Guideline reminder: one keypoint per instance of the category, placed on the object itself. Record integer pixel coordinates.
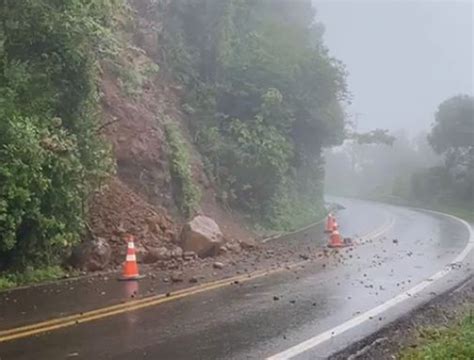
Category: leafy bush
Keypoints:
(51, 155)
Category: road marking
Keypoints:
(74, 319)
(45, 326)
(380, 231)
(327, 335)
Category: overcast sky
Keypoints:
(404, 57)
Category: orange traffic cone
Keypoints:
(130, 267)
(335, 240)
(329, 223)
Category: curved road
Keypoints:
(305, 312)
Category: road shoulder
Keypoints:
(406, 332)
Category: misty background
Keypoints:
(410, 71)
(403, 57)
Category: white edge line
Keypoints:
(318, 339)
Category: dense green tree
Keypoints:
(453, 128)
(50, 154)
(264, 98)
(453, 136)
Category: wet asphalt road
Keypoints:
(259, 318)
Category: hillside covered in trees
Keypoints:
(136, 115)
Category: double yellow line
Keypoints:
(378, 231)
(71, 320)
(58, 323)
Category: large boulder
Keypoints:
(202, 235)
(93, 255)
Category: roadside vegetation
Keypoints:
(187, 194)
(30, 275)
(454, 342)
(51, 155)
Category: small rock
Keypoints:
(395, 241)
(176, 253)
(189, 255)
(177, 277)
(193, 279)
(233, 246)
(223, 250)
(276, 298)
(304, 256)
(218, 265)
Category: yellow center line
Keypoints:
(379, 231)
(66, 321)
(54, 324)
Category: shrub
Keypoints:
(187, 194)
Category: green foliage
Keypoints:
(132, 75)
(187, 194)
(30, 275)
(263, 97)
(377, 136)
(41, 188)
(456, 342)
(50, 154)
(452, 136)
(454, 124)
(290, 210)
(6, 283)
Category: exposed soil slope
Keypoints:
(134, 126)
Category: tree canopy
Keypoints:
(453, 127)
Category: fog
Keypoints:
(404, 57)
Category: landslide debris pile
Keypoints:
(116, 209)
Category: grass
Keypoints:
(187, 194)
(30, 276)
(454, 342)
